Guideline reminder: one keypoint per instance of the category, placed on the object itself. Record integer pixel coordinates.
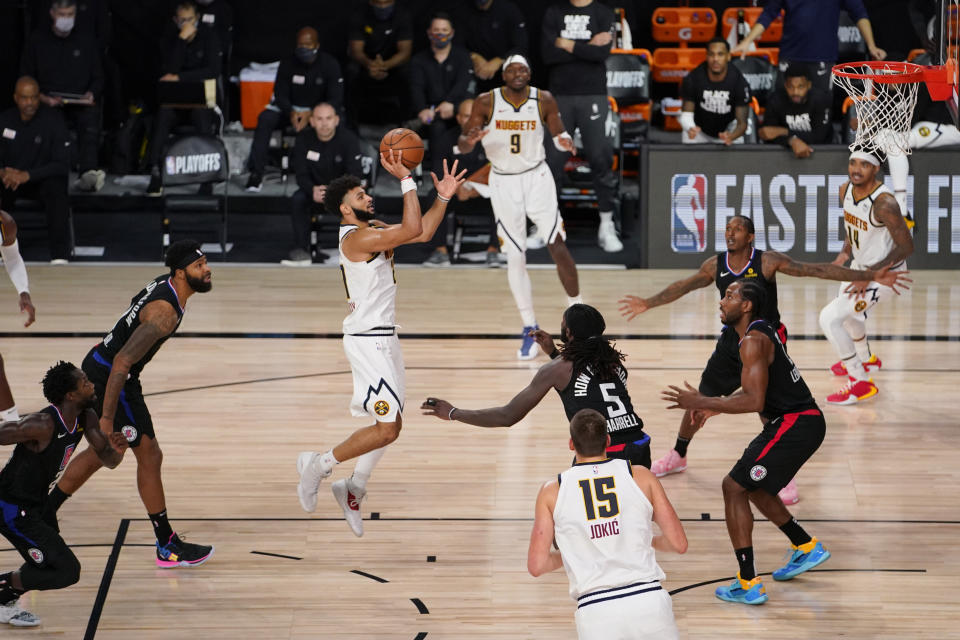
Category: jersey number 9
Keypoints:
(599, 497)
(515, 143)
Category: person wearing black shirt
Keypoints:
(380, 41)
(716, 99)
(469, 200)
(305, 79)
(575, 42)
(439, 80)
(219, 15)
(66, 63)
(323, 151)
(34, 162)
(792, 432)
(190, 52)
(492, 30)
(798, 115)
(45, 442)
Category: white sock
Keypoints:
(855, 368)
(9, 415)
(574, 300)
(863, 349)
(327, 461)
(365, 465)
(520, 286)
(606, 217)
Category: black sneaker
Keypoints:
(254, 182)
(155, 188)
(177, 553)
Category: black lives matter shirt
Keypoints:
(715, 102)
(583, 72)
(809, 120)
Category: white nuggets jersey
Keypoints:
(602, 524)
(514, 143)
(870, 240)
(371, 287)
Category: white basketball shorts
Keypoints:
(379, 381)
(516, 197)
(644, 616)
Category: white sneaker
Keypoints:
(349, 499)
(607, 238)
(311, 475)
(534, 241)
(13, 615)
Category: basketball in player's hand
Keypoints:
(406, 141)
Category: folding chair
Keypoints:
(196, 160)
(628, 84)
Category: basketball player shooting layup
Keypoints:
(509, 122)
(600, 513)
(741, 261)
(370, 330)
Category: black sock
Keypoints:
(56, 498)
(795, 532)
(681, 446)
(7, 591)
(745, 558)
(161, 527)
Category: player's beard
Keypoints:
(198, 285)
(362, 214)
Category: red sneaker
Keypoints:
(839, 369)
(854, 391)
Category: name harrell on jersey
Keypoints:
(514, 143)
(618, 416)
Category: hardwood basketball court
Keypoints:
(258, 374)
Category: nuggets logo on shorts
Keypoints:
(36, 555)
(860, 306)
(129, 432)
(924, 131)
(758, 472)
(381, 407)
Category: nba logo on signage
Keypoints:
(688, 212)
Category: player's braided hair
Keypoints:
(750, 290)
(587, 347)
(337, 190)
(59, 380)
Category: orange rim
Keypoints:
(881, 72)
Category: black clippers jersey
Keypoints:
(29, 476)
(610, 398)
(786, 390)
(159, 289)
(753, 271)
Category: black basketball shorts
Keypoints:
(773, 458)
(721, 376)
(132, 417)
(38, 542)
(635, 452)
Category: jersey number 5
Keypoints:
(599, 497)
(515, 143)
(615, 406)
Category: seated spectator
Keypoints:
(797, 115)
(306, 78)
(380, 41)
(323, 151)
(66, 63)
(34, 162)
(439, 80)
(492, 30)
(469, 199)
(190, 52)
(716, 99)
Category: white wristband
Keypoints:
(686, 121)
(561, 136)
(407, 184)
(450, 413)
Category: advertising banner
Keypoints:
(688, 193)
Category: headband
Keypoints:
(188, 259)
(515, 58)
(866, 157)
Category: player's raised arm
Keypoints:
(632, 306)
(446, 188)
(541, 558)
(782, 263)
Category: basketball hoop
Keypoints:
(884, 95)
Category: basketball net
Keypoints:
(884, 96)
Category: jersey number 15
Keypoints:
(599, 497)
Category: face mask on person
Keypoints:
(64, 24)
(305, 55)
(383, 13)
(182, 23)
(440, 42)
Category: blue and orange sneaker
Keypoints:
(528, 348)
(802, 558)
(177, 553)
(745, 591)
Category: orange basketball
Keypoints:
(404, 140)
